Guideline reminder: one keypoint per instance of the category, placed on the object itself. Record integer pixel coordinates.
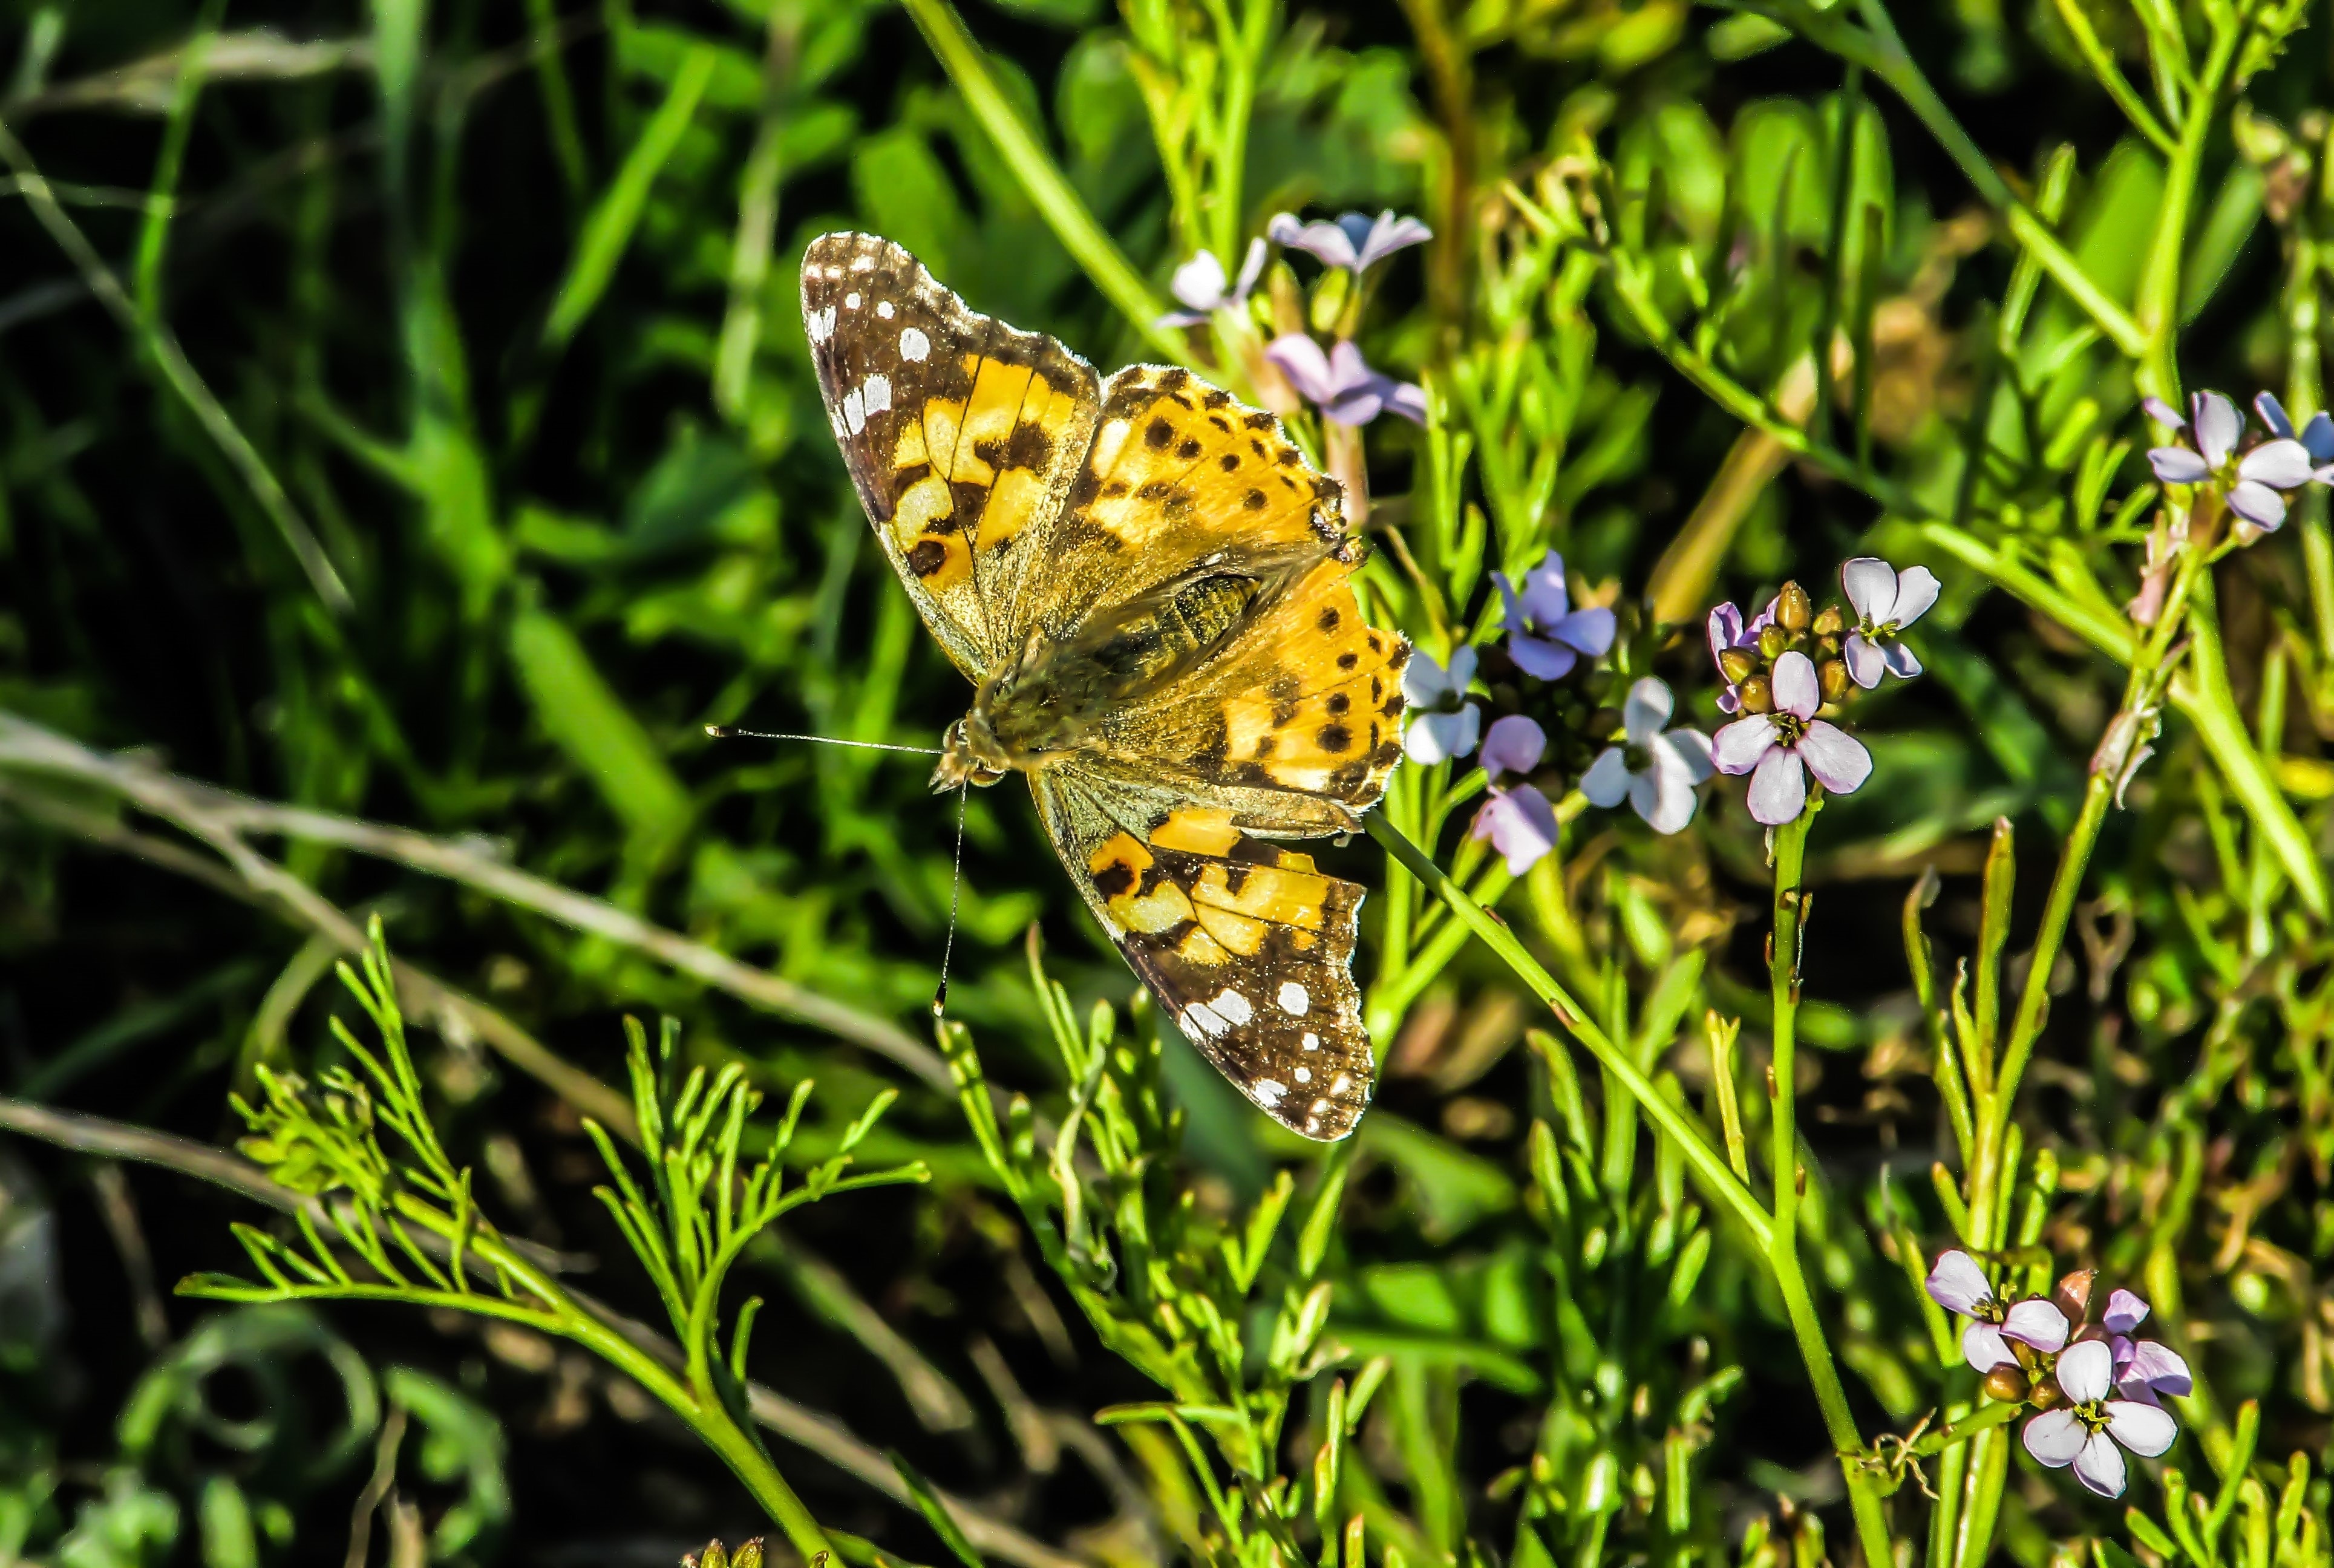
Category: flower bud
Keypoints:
(1756, 696)
(2006, 1383)
(1736, 664)
(1793, 609)
(2072, 1295)
(2042, 1392)
(1831, 623)
(1772, 643)
(1832, 675)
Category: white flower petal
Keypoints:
(1870, 584)
(2164, 413)
(2056, 1436)
(1463, 668)
(1794, 684)
(2159, 1369)
(2177, 465)
(2042, 1325)
(1251, 267)
(1198, 283)
(1867, 663)
(1984, 1348)
(1957, 1284)
(2272, 413)
(1607, 782)
(2257, 503)
(2086, 1371)
(1663, 794)
(2127, 1309)
(1778, 788)
(2218, 425)
(1835, 757)
(1916, 590)
(1646, 710)
(1901, 660)
(1738, 748)
(2280, 465)
(1424, 681)
(1434, 738)
(1692, 749)
(2146, 1429)
(2100, 1466)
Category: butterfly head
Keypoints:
(968, 754)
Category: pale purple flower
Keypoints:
(1957, 1284)
(2144, 1369)
(1355, 242)
(2249, 481)
(2317, 438)
(1654, 771)
(1885, 600)
(1200, 286)
(1444, 723)
(1546, 636)
(1520, 822)
(2085, 1431)
(1728, 631)
(1785, 745)
(1341, 383)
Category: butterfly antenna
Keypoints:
(955, 891)
(724, 732)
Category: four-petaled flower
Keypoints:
(1444, 723)
(1957, 1284)
(2144, 1371)
(2317, 438)
(1546, 636)
(2084, 1432)
(1885, 600)
(1777, 743)
(1730, 633)
(1199, 286)
(1654, 771)
(2250, 481)
(1341, 383)
(1519, 821)
(1355, 242)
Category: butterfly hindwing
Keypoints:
(963, 435)
(1246, 944)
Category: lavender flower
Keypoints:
(1546, 636)
(1654, 771)
(2144, 1371)
(1444, 723)
(1957, 1284)
(1886, 601)
(2250, 481)
(1355, 242)
(1519, 821)
(1730, 633)
(1199, 286)
(2084, 1432)
(2317, 438)
(1785, 745)
(1341, 383)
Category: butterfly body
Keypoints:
(1150, 590)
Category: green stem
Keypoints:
(1064, 212)
(1666, 1116)
(1783, 1242)
(2158, 303)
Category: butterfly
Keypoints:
(1150, 589)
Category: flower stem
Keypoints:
(1783, 1242)
(1666, 1115)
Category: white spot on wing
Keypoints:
(914, 345)
(883, 309)
(1311, 1042)
(821, 324)
(1269, 1092)
(1294, 1000)
(863, 263)
(879, 393)
(1232, 1005)
(1305, 1075)
(1344, 1082)
(851, 301)
(1199, 1018)
(855, 410)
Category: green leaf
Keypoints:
(935, 1512)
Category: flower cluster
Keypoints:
(2098, 1389)
(1783, 666)
(1336, 380)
